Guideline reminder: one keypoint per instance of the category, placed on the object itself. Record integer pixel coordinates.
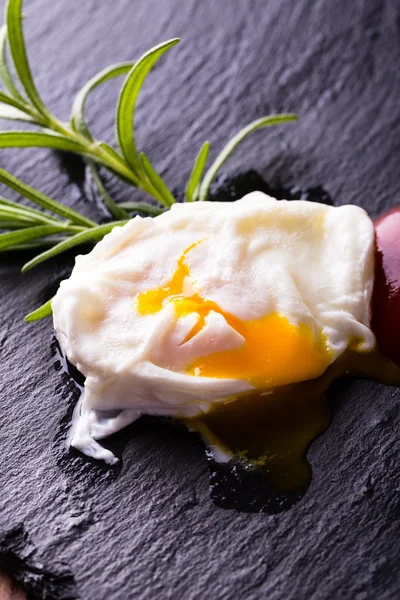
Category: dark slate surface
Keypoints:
(149, 529)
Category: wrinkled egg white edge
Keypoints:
(89, 425)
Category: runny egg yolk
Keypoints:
(274, 353)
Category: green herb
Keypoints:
(58, 228)
(192, 188)
(44, 311)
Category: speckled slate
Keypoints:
(70, 529)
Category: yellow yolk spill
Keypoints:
(275, 352)
(273, 425)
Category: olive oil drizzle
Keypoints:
(272, 430)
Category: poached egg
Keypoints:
(185, 312)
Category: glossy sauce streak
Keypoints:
(386, 296)
(274, 432)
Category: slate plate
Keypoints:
(149, 530)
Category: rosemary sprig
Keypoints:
(129, 163)
(27, 225)
(44, 201)
(57, 227)
(76, 137)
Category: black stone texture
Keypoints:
(148, 529)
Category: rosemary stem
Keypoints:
(75, 228)
(39, 118)
(102, 156)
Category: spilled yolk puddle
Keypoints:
(290, 369)
(275, 352)
(271, 429)
(272, 426)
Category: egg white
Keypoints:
(308, 262)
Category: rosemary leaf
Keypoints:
(33, 213)
(11, 101)
(115, 210)
(197, 173)
(35, 244)
(40, 313)
(234, 142)
(125, 117)
(110, 150)
(113, 161)
(164, 195)
(38, 139)
(12, 238)
(9, 112)
(5, 73)
(20, 216)
(18, 53)
(91, 235)
(44, 201)
(78, 121)
(12, 224)
(143, 207)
